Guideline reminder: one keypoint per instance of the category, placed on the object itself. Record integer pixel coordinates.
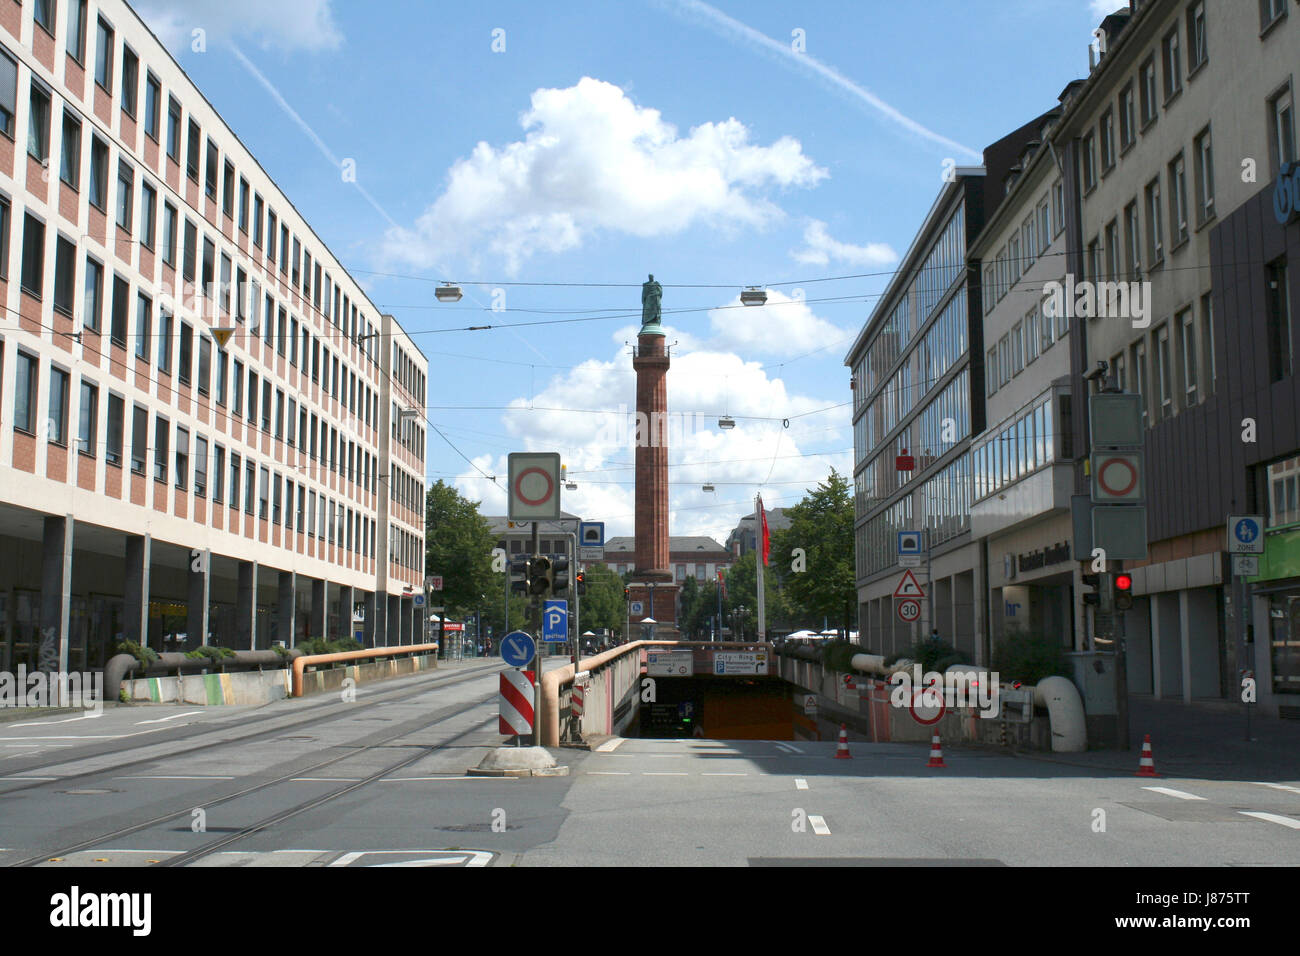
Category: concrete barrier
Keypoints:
(247, 687)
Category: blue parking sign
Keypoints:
(555, 621)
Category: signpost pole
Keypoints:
(537, 659)
(929, 579)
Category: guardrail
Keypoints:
(301, 664)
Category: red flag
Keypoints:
(767, 538)
(722, 582)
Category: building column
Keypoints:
(1185, 641)
(319, 618)
(374, 619)
(200, 584)
(404, 614)
(246, 607)
(346, 598)
(56, 594)
(135, 593)
(392, 626)
(287, 605)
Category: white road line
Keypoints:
(3, 779)
(160, 720)
(1291, 822)
(325, 780)
(1279, 786)
(146, 776)
(665, 773)
(784, 748)
(793, 748)
(819, 825)
(722, 773)
(1170, 792)
(65, 720)
(22, 745)
(800, 783)
(610, 745)
(421, 779)
(610, 773)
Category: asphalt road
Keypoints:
(381, 781)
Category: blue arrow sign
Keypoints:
(555, 621)
(518, 648)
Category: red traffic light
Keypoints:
(1123, 582)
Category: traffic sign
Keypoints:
(1245, 565)
(927, 705)
(577, 699)
(591, 534)
(555, 621)
(433, 582)
(909, 561)
(909, 611)
(418, 599)
(1115, 419)
(909, 543)
(1246, 534)
(1121, 531)
(636, 607)
(515, 703)
(810, 705)
(518, 648)
(909, 587)
(534, 486)
(1117, 476)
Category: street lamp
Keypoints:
(754, 295)
(448, 292)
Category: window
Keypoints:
(1058, 207)
(1178, 200)
(234, 480)
(297, 256)
(173, 130)
(169, 234)
(1107, 134)
(1112, 251)
(148, 206)
(1140, 376)
(192, 151)
(270, 234)
(185, 356)
(1147, 79)
(210, 174)
(38, 124)
(189, 262)
(152, 105)
(93, 305)
(221, 377)
(182, 458)
(104, 55)
(1164, 382)
(257, 221)
(1004, 360)
(121, 309)
(1197, 51)
(77, 30)
(1155, 233)
(1204, 178)
(139, 438)
(161, 436)
(218, 473)
(65, 275)
(1133, 241)
(164, 341)
(250, 483)
(1127, 126)
(243, 204)
(98, 173)
(57, 416)
(1282, 130)
(278, 501)
(1173, 64)
(228, 190)
(1118, 372)
(1270, 11)
(284, 250)
(1278, 305)
(200, 466)
(33, 273)
(25, 393)
(130, 80)
(1207, 332)
(1186, 325)
(8, 93)
(143, 321)
(1031, 336)
(1093, 263)
(1044, 226)
(252, 396)
(266, 406)
(125, 184)
(237, 406)
(208, 275)
(116, 416)
(262, 492)
(1017, 349)
(70, 151)
(204, 360)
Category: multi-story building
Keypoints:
(744, 535)
(689, 556)
(918, 380)
(1212, 351)
(208, 433)
(515, 537)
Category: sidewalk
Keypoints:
(1205, 741)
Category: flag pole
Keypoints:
(758, 564)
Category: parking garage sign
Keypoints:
(739, 662)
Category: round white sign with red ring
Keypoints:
(1117, 476)
(927, 705)
(909, 611)
(530, 499)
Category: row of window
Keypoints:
(1020, 347)
(1176, 346)
(406, 549)
(942, 267)
(1024, 247)
(406, 490)
(406, 372)
(1018, 448)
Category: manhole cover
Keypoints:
(477, 828)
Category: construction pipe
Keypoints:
(1064, 713)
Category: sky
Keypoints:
(548, 157)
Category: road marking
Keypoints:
(2, 779)
(1170, 792)
(420, 779)
(1279, 786)
(475, 857)
(800, 783)
(325, 780)
(723, 773)
(792, 748)
(22, 745)
(665, 773)
(160, 720)
(819, 825)
(175, 777)
(610, 745)
(784, 748)
(610, 773)
(66, 720)
(1291, 822)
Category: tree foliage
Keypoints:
(603, 605)
(458, 546)
(819, 577)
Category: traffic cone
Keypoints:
(1146, 766)
(936, 753)
(842, 750)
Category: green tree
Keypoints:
(821, 583)
(742, 591)
(458, 545)
(602, 605)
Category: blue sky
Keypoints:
(606, 141)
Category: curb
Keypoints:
(545, 772)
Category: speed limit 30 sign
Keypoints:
(908, 611)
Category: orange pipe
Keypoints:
(300, 664)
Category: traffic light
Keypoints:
(1092, 598)
(627, 594)
(560, 574)
(1123, 592)
(519, 574)
(539, 575)
(581, 578)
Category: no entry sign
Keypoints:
(534, 486)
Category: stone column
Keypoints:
(374, 619)
(135, 594)
(200, 585)
(56, 593)
(288, 607)
(346, 599)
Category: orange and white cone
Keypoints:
(1147, 766)
(936, 753)
(842, 749)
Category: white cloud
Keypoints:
(820, 248)
(781, 327)
(282, 24)
(593, 160)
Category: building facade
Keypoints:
(208, 433)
